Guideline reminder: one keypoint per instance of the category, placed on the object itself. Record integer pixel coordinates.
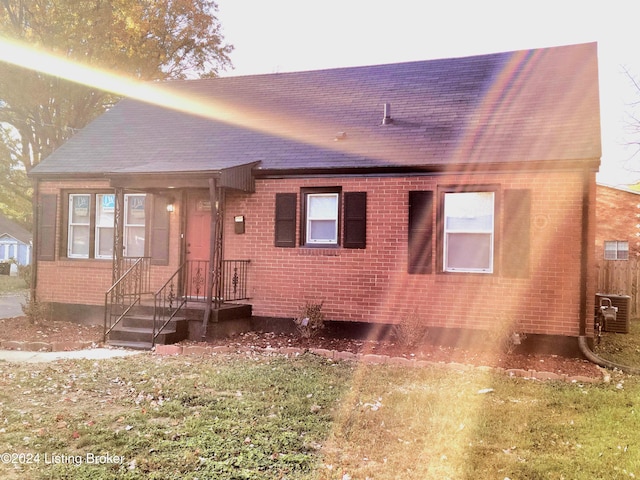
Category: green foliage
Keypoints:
(310, 320)
(263, 417)
(11, 284)
(24, 273)
(148, 41)
(621, 348)
(216, 417)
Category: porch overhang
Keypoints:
(239, 177)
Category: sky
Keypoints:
(272, 36)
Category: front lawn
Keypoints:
(270, 417)
(12, 284)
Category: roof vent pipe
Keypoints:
(386, 120)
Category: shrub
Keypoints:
(35, 310)
(506, 334)
(411, 330)
(24, 272)
(310, 320)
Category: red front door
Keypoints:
(198, 236)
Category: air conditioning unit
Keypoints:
(623, 303)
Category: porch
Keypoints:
(137, 316)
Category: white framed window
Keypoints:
(79, 232)
(616, 250)
(134, 225)
(91, 223)
(322, 218)
(105, 208)
(469, 220)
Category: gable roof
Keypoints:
(524, 106)
(12, 229)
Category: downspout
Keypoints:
(584, 273)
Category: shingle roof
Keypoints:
(8, 227)
(531, 105)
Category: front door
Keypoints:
(198, 236)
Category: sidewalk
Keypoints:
(18, 356)
(11, 304)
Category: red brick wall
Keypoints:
(81, 281)
(373, 285)
(617, 219)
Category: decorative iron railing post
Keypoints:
(166, 303)
(126, 291)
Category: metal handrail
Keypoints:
(137, 278)
(163, 302)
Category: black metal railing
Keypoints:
(168, 302)
(233, 280)
(126, 291)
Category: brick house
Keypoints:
(15, 242)
(462, 189)
(617, 232)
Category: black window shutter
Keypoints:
(420, 231)
(47, 210)
(285, 227)
(516, 244)
(159, 240)
(355, 220)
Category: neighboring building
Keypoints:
(617, 220)
(462, 189)
(15, 242)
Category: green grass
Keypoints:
(11, 285)
(261, 417)
(622, 348)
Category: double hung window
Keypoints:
(322, 219)
(329, 218)
(91, 220)
(79, 226)
(469, 232)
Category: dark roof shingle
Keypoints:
(532, 105)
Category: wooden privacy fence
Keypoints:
(620, 277)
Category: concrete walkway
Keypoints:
(11, 305)
(18, 356)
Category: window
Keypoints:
(464, 234)
(105, 207)
(79, 226)
(616, 250)
(322, 219)
(90, 225)
(468, 232)
(321, 214)
(134, 225)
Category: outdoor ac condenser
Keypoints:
(621, 323)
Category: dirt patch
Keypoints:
(571, 367)
(19, 329)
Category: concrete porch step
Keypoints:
(137, 331)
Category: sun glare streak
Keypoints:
(164, 94)
(25, 56)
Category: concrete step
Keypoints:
(138, 331)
